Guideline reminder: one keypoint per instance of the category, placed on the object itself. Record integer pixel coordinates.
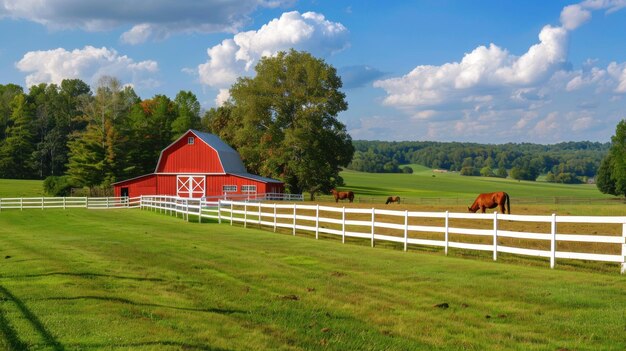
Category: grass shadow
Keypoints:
(133, 303)
(130, 346)
(87, 275)
(12, 336)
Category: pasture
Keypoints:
(130, 279)
(21, 188)
(424, 183)
(425, 190)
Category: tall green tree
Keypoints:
(7, 94)
(284, 122)
(150, 130)
(87, 166)
(97, 153)
(16, 151)
(187, 113)
(611, 177)
(604, 178)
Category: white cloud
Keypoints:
(573, 16)
(582, 123)
(609, 5)
(618, 72)
(237, 57)
(88, 64)
(424, 115)
(549, 126)
(222, 97)
(484, 67)
(138, 34)
(150, 19)
(533, 96)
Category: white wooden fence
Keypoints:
(374, 224)
(22, 203)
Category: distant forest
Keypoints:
(567, 162)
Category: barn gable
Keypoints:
(195, 165)
(198, 152)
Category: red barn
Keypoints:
(198, 164)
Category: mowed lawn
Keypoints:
(21, 188)
(130, 279)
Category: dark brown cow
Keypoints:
(491, 200)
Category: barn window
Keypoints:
(229, 188)
(248, 188)
(190, 140)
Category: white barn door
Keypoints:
(190, 186)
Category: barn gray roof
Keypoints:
(229, 158)
(256, 177)
(231, 161)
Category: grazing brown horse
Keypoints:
(391, 199)
(342, 195)
(491, 200)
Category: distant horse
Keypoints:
(391, 199)
(342, 195)
(491, 200)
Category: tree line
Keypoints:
(568, 162)
(94, 138)
(283, 122)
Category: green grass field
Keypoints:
(130, 279)
(21, 188)
(424, 183)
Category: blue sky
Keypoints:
(489, 71)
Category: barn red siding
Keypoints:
(138, 186)
(215, 183)
(166, 184)
(195, 160)
(182, 157)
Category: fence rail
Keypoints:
(401, 227)
(466, 201)
(68, 202)
(439, 229)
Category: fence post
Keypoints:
(447, 233)
(107, 202)
(64, 202)
(553, 241)
(623, 270)
(317, 221)
(406, 229)
(21, 204)
(86, 202)
(274, 217)
(42, 203)
(373, 224)
(343, 225)
(294, 219)
(495, 236)
(231, 213)
(187, 209)
(245, 214)
(259, 214)
(200, 211)
(219, 212)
